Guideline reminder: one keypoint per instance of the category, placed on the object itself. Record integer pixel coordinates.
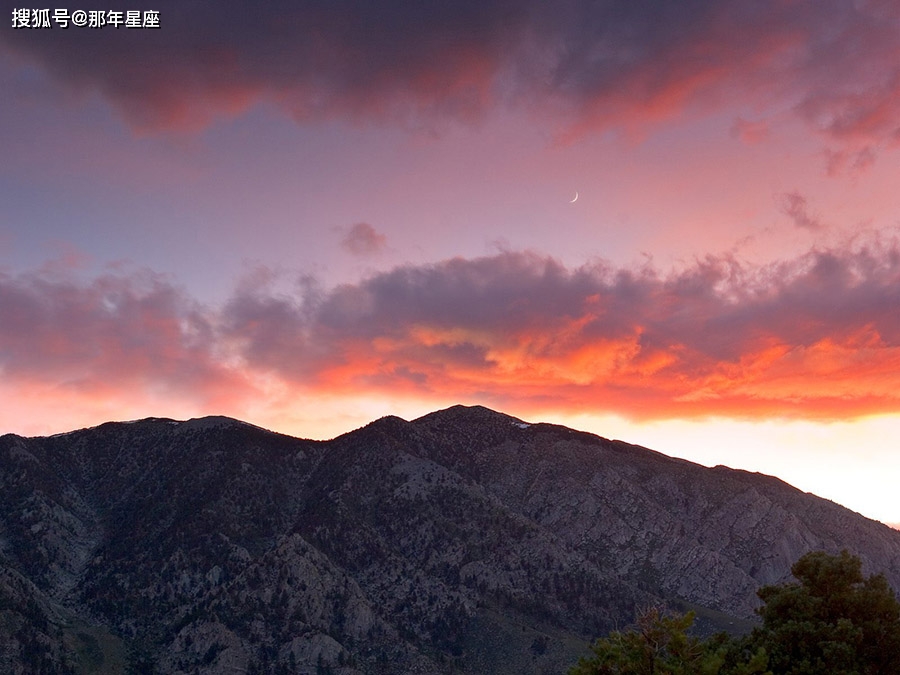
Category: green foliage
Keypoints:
(832, 620)
(660, 645)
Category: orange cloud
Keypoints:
(817, 337)
(814, 337)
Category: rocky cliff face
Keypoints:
(465, 541)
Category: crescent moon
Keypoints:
(575, 199)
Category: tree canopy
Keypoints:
(831, 620)
(659, 644)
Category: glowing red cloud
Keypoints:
(815, 337)
(812, 338)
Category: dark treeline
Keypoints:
(831, 620)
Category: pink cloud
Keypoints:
(363, 239)
(750, 133)
(795, 207)
(857, 161)
(116, 333)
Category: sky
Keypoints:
(672, 223)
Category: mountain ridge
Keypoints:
(465, 540)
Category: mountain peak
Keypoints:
(466, 414)
(215, 422)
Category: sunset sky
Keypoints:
(310, 214)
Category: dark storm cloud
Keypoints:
(598, 64)
(356, 58)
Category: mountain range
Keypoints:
(465, 541)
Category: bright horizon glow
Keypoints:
(812, 457)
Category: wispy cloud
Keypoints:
(795, 206)
(749, 132)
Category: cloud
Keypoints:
(594, 65)
(858, 160)
(313, 58)
(815, 337)
(794, 205)
(750, 133)
(114, 335)
(363, 239)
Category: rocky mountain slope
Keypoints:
(465, 541)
